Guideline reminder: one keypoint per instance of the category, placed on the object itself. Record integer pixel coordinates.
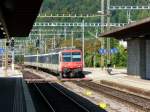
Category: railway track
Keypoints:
(30, 77)
(135, 100)
(123, 96)
(51, 97)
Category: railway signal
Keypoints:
(12, 43)
(37, 43)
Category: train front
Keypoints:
(72, 64)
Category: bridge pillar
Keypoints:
(147, 59)
(137, 57)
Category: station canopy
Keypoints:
(134, 30)
(17, 16)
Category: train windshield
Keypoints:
(66, 57)
(76, 57)
(71, 57)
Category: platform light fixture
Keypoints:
(100, 12)
(2, 28)
(4, 33)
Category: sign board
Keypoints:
(102, 51)
(113, 50)
(1, 50)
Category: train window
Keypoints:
(34, 58)
(41, 59)
(76, 56)
(55, 59)
(47, 59)
(66, 56)
(50, 58)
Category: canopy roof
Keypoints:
(18, 16)
(133, 30)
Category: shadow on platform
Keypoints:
(86, 72)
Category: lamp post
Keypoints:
(37, 51)
(102, 12)
(12, 42)
(83, 42)
(6, 57)
(108, 28)
(72, 39)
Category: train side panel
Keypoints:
(65, 62)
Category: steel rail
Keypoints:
(118, 94)
(85, 109)
(44, 98)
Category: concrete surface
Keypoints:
(10, 73)
(118, 76)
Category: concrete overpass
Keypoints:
(137, 36)
(17, 17)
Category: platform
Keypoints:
(10, 73)
(15, 96)
(119, 79)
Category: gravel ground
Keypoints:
(112, 104)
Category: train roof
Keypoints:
(64, 48)
(55, 51)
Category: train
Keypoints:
(64, 62)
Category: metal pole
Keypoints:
(65, 36)
(129, 16)
(72, 39)
(95, 50)
(40, 40)
(26, 49)
(65, 33)
(13, 56)
(6, 59)
(83, 42)
(108, 28)
(102, 30)
(37, 59)
(2, 56)
(45, 45)
(54, 41)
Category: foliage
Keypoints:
(120, 59)
(91, 45)
(19, 59)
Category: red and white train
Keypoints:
(65, 62)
